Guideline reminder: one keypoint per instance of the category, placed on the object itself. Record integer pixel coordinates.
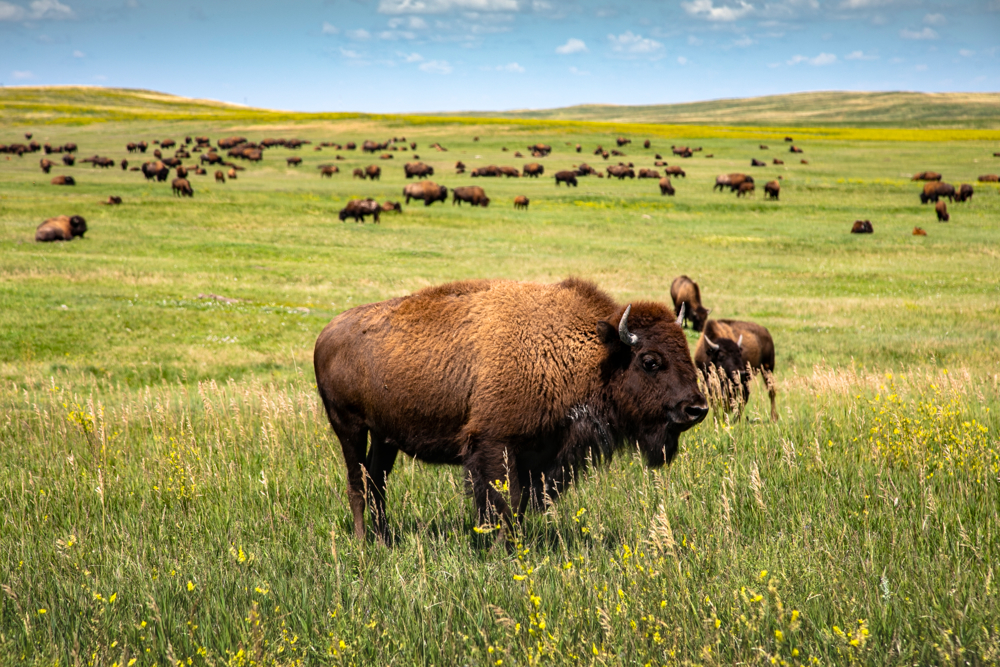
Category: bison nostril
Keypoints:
(696, 412)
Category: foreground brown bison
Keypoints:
(519, 383)
(521, 202)
(428, 191)
(935, 190)
(61, 228)
(63, 180)
(567, 177)
(666, 187)
(731, 352)
(181, 187)
(472, 194)
(359, 208)
(862, 227)
(926, 176)
(418, 169)
(686, 296)
(942, 211)
(772, 189)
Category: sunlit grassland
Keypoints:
(170, 490)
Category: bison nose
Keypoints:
(696, 412)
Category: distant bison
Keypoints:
(777, 161)
(510, 172)
(646, 144)
(519, 382)
(686, 296)
(69, 160)
(666, 187)
(293, 161)
(373, 172)
(157, 170)
(113, 200)
(328, 170)
(46, 164)
(757, 163)
(935, 190)
(734, 352)
(675, 171)
(521, 202)
(181, 187)
(540, 149)
(620, 172)
(359, 173)
(220, 177)
(534, 169)
(965, 192)
(231, 174)
(473, 194)
(567, 177)
(648, 173)
(919, 231)
(428, 191)
(989, 178)
(61, 228)
(862, 227)
(63, 180)
(359, 208)
(942, 211)
(392, 206)
(926, 176)
(418, 169)
(795, 149)
(771, 190)
(747, 187)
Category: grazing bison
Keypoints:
(745, 188)
(935, 190)
(293, 161)
(63, 180)
(942, 211)
(418, 169)
(989, 178)
(567, 177)
(795, 149)
(732, 352)
(61, 228)
(534, 169)
(772, 189)
(584, 169)
(675, 171)
(168, 143)
(620, 172)
(510, 172)
(862, 227)
(666, 187)
(231, 174)
(541, 150)
(390, 206)
(386, 156)
(211, 158)
(686, 296)
(646, 144)
(579, 148)
(472, 194)
(157, 170)
(789, 139)
(46, 164)
(359, 208)
(648, 173)
(373, 172)
(69, 160)
(359, 173)
(521, 202)
(69, 147)
(926, 176)
(804, 161)
(428, 191)
(489, 171)
(722, 181)
(113, 200)
(181, 187)
(220, 177)
(328, 170)
(621, 141)
(124, 165)
(919, 231)
(965, 192)
(757, 163)
(520, 383)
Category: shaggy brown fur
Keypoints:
(534, 169)
(736, 351)
(182, 188)
(965, 192)
(220, 177)
(685, 293)
(666, 187)
(934, 190)
(522, 202)
(745, 188)
(328, 170)
(862, 227)
(772, 189)
(675, 171)
(942, 212)
(359, 208)
(520, 383)
(373, 172)
(567, 177)
(472, 194)
(989, 178)
(63, 180)
(428, 191)
(418, 169)
(61, 228)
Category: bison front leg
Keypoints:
(492, 472)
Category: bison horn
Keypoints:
(680, 316)
(739, 343)
(627, 337)
(714, 346)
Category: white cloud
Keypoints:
(436, 67)
(744, 41)
(36, 11)
(79, 54)
(681, 60)
(862, 4)
(821, 59)
(330, 29)
(578, 72)
(347, 53)
(359, 34)
(636, 45)
(411, 57)
(413, 23)
(706, 9)
(926, 33)
(935, 19)
(513, 68)
(572, 45)
(444, 6)
(966, 53)
(22, 75)
(860, 55)
(396, 34)
(694, 41)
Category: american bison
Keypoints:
(157, 170)
(520, 383)
(686, 296)
(567, 177)
(772, 189)
(666, 187)
(757, 163)
(965, 192)
(373, 172)
(620, 172)
(293, 161)
(862, 227)
(579, 148)
(942, 211)
(746, 187)
(70, 160)
(113, 200)
(733, 352)
(777, 161)
(418, 169)
(489, 171)
(69, 147)
(795, 149)
(541, 150)
(675, 171)
(392, 206)
(789, 139)
(534, 169)
(935, 190)
(124, 165)
(359, 208)
(181, 187)
(472, 194)
(359, 173)
(646, 144)
(63, 180)
(989, 178)
(328, 170)
(61, 228)
(168, 143)
(722, 181)
(621, 141)
(428, 191)
(510, 172)
(648, 173)
(220, 177)
(521, 202)
(926, 176)
(211, 158)
(919, 231)
(46, 164)
(763, 147)
(231, 174)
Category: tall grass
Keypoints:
(209, 525)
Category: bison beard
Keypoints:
(517, 382)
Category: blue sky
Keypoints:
(426, 55)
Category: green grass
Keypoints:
(170, 452)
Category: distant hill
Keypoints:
(826, 109)
(968, 111)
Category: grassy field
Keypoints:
(171, 491)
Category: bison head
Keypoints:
(77, 225)
(651, 382)
(727, 357)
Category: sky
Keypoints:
(453, 55)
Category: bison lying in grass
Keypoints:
(862, 227)
(61, 228)
(63, 180)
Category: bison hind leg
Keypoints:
(379, 463)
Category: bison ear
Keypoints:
(607, 332)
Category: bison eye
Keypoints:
(650, 364)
